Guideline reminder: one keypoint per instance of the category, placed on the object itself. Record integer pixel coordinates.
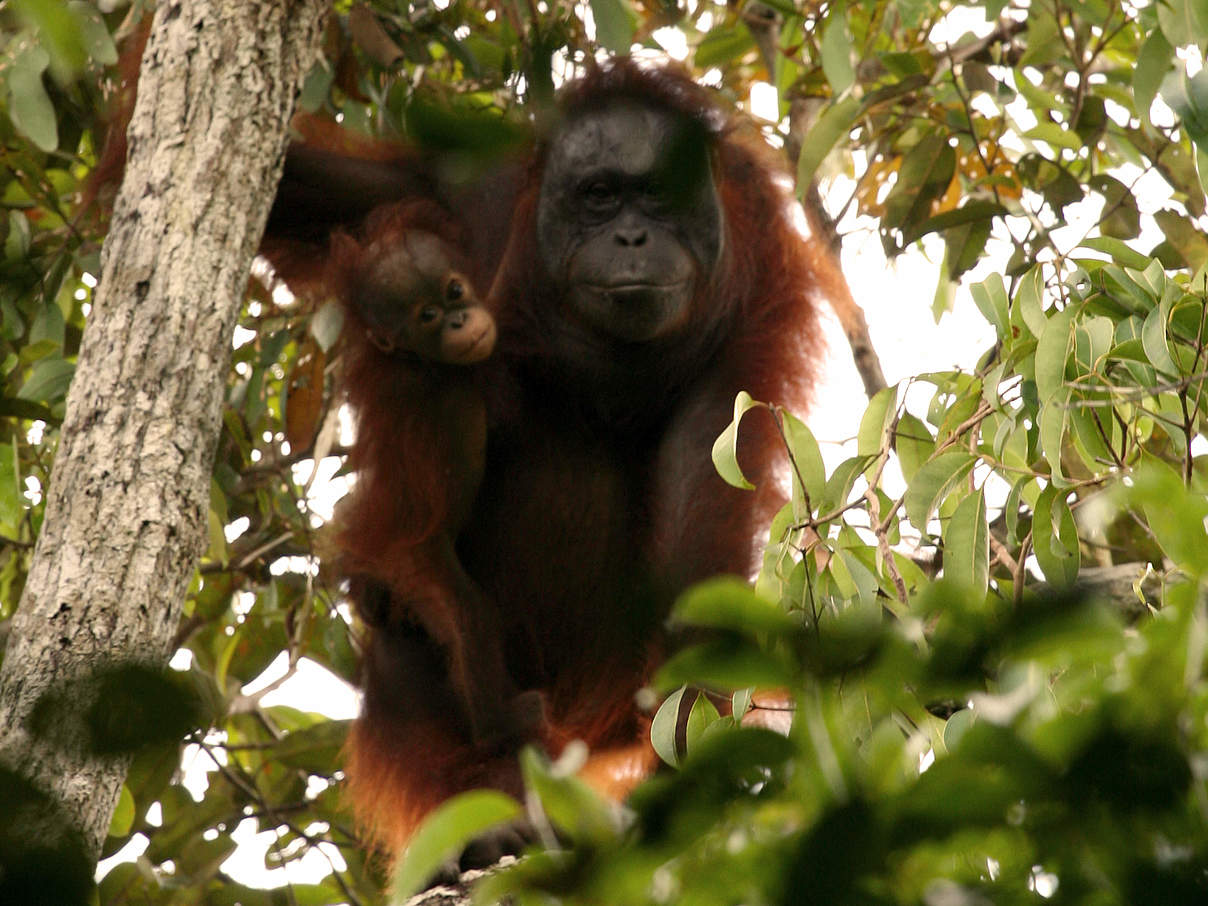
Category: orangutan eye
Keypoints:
(598, 193)
(454, 290)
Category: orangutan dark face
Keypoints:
(629, 222)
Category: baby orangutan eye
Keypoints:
(454, 290)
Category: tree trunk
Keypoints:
(127, 506)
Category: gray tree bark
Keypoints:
(127, 506)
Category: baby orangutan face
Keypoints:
(414, 299)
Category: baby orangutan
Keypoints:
(415, 335)
(414, 300)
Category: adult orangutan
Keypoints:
(653, 267)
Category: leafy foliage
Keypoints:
(990, 617)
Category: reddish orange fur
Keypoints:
(390, 511)
(599, 503)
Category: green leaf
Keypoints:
(723, 44)
(925, 175)
(1188, 97)
(990, 296)
(956, 727)
(94, 33)
(933, 482)
(1122, 286)
(29, 105)
(805, 454)
(1090, 444)
(725, 448)
(1030, 302)
(1058, 186)
(836, 49)
(730, 603)
(967, 544)
(1185, 236)
(1183, 22)
(912, 12)
(872, 438)
(15, 408)
(913, 443)
(1092, 119)
(16, 246)
(451, 129)
(59, 33)
(123, 815)
(839, 485)
(1201, 167)
(1120, 252)
(963, 247)
(1055, 135)
(216, 549)
(445, 834)
(315, 87)
(1045, 45)
(1055, 537)
(728, 661)
(1175, 516)
(1155, 341)
(1092, 341)
(314, 748)
(664, 726)
(218, 501)
(1010, 509)
(48, 326)
(740, 702)
(1121, 217)
(835, 124)
(11, 506)
(616, 22)
(1052, 421)
(973, 211)
(1038, 99)
(704, 714)
(570, 804)
(855, 581)
(1153, 63)
(1052, 351)
(945, 286)
(48, 382)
